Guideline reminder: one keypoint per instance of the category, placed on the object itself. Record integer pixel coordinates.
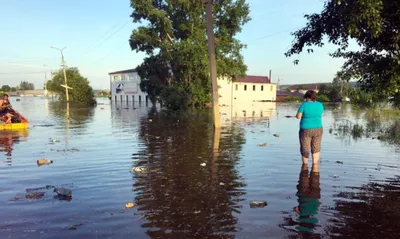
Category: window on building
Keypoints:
(254, 88)
(236, 87)
(262, 88)
(245, 87)
(272, 87)
(122, 77)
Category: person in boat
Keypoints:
(5, 110)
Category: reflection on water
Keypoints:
(199, 182)
(308, 193)
(372, 212)
(179, 198)
(250, 111)
(383, 125)
(69, 113)
(7, 141)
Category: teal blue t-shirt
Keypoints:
(312, 114)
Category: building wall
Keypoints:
(125, 88)
(233, 93)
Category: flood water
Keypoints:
(198, 183)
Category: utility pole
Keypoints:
(65, 74)
(279, 83)
(213, 66)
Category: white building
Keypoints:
(248, 89)
(249, 98)
(125, 87)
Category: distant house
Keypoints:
(302, 88)
(124, 87)
(247, 89)
(282, 95)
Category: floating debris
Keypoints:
(54, 140)
(262, 145)
(257, 204)
(68, 150)
(339, 162)
(65, 192)
(277, 135)
(74, 227)
(38, 195)
(129, 205)
(41, 162)
(139, 170)
(203, 164)
(150, 120)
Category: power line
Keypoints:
(273, 34)
(113, 51)
(21, 73)
(115, 25)
(101, 42)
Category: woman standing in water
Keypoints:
(310, 134)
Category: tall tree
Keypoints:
(81, 91)
(174, 39)
(374, 25)
(5, 88)
(24, 85)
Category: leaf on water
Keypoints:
(74, 227)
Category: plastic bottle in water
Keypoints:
(44, 162)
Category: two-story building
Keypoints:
(250, 97)
(125, 87)
(247, 89)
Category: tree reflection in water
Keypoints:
(7, 141)
(372, 212)
(179, 198)
(78, 115)
(309, 194)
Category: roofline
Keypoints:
(123, 71)
(255, 82)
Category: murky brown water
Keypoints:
(355, 195)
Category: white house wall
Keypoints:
(130, 90)
(232, 93)
(239, 104)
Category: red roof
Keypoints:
(254, 79)
(123, 72)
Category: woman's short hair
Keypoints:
(310, 94)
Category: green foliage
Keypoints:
(175, 98)
(103, 93)
(361, 98)
(81, 91)
(374, 26)
(13, 89)
(5, 88)
(174, 39)
(291, 99)
(322, 98)
(24, 85)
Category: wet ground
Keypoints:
(196, 183)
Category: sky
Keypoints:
(96, 33)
